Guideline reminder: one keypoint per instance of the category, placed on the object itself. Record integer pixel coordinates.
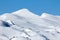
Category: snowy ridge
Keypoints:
(25, 25)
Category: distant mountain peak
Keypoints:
(22, 10)
(46, 15)
(25, 13)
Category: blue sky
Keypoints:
(36, 6)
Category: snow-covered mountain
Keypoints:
(25, 25)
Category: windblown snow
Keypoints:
(25, 25)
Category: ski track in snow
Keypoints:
(25, 25)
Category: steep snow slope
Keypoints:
(25, 25)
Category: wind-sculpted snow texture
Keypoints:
(25, 25)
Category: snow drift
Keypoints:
(25, 25)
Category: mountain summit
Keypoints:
(25, 25)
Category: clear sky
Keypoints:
(36, 6)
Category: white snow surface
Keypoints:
(25, 25)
